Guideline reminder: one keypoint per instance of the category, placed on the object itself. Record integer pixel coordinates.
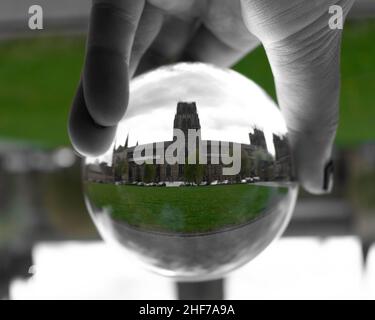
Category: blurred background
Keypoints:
(49, 247)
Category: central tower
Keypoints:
(186, 117)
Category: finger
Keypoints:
(148, 28)
(206, 47)
(308, 95)
(223, 39)
(306, 69)
(307, 80)
(169, 44)
(178, 7)
(105, 77)
(87, 137)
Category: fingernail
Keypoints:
(328, 177)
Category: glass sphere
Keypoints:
(199, 178)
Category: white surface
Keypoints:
(304, 269)
(290, 269)
(88, 271)
(370, 279)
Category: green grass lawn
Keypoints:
(182, 209)
(38, 78)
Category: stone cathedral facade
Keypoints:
(255, 160)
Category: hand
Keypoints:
(130, 36)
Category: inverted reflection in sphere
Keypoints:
(199, 178)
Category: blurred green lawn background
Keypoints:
(38, 78)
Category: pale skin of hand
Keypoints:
(132, 36)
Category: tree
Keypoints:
(119, 170)
(246, 165)
(263, 160)
(150, 173)
(193, 172)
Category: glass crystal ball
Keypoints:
(199, 179)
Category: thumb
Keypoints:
(307, 79)
(306, 69)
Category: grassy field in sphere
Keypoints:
(182, 209)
